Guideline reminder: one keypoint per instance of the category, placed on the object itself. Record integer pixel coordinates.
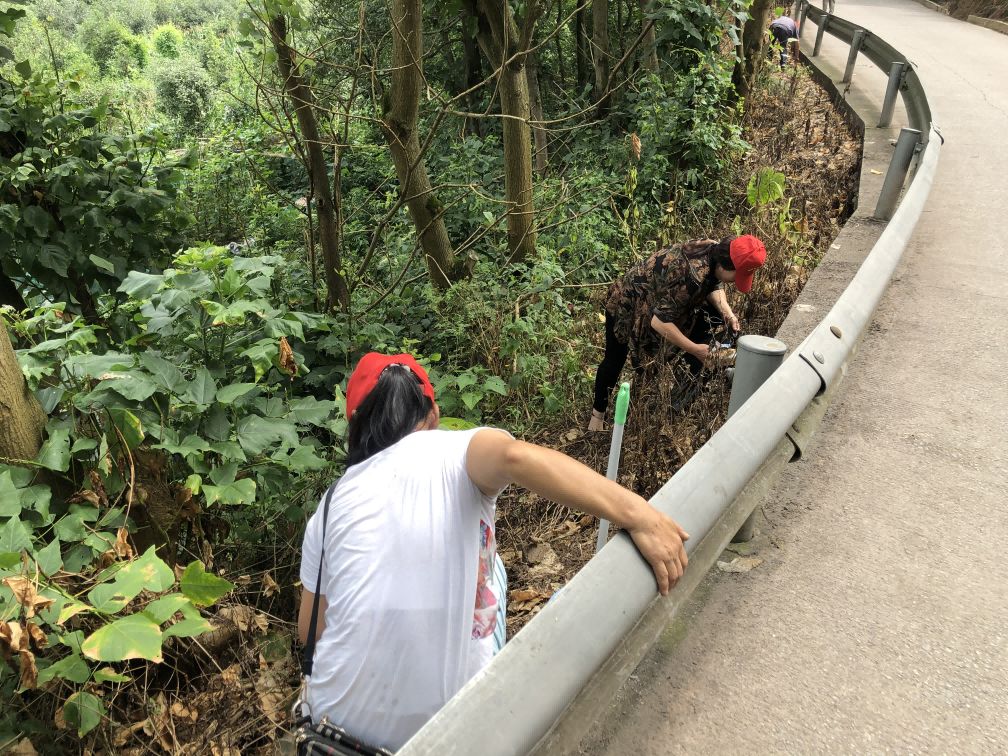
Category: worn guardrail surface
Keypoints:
(550, 682)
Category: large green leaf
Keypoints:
(132, 637)
(10, 498)
(255, 433)
(187, 628)
(165, 373)
(55, 451)
(303, 458)
(189, 445)
(202, 389)
(227, 394)
(96, 365)
(83, 711)
(261, 355)
(310, 411)
(133, 385)
(165, 607)
(201, 587)
(238, 492)
(14, 536)
(141, 285)
(129, 425)
(149, 572)
(50, 559)
(71, 668)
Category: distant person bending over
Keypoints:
(673, 294)
(408, 605)
(785, 31)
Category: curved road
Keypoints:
(878, 621)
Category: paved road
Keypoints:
(878, 622)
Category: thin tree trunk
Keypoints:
(473, 70)
(559, 48)
(600, 53)
(536, 111)
(747, 69)
(581, 47)
(502, 43)
(650, 57)
(399, 124)
(22, 418)
(298, 91)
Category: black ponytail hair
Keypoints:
(720, 254)
(389, 413)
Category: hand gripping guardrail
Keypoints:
(555, 677)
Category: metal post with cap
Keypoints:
(756, 360)
(906, 146)
(615, 446)
(823, 21)
(855, 48)
(889, 103)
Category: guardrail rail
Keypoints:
(553, 679)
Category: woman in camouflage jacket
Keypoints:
(662, 297)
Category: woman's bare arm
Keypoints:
(304, 615)
(495, 460)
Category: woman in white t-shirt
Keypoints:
(409, 606)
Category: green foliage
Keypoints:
(81, 207)
(113, 47)
(184, 92)
(765, 187)
(168, 41)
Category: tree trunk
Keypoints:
(318, 174)
(401, 110)
(559, 48)
(22, 419)
(650, 54)
(600, 53)
(501, 42)
(581, 48)
(747, 69)
(536, 111)
(473, 72)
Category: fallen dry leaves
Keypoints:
(26, 593)
(122, 548)
(269, 585)
(287, 358)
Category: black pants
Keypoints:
(707, 321)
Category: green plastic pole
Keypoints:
(622, 404)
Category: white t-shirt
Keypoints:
(408, 572)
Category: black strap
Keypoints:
(308, 653)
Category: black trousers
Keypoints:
(707, 321)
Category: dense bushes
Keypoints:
(184, 92)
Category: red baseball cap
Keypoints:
(370, 368)
(748, 254)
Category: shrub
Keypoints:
(168, 41)
(184, 92)
(113, 47)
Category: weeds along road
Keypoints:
(876, 622)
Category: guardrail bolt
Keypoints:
(823, 22)
(756, 360)
(897, 173)
(835, 331)
(855, 48)
(895, 80)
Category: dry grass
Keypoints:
(793, 128)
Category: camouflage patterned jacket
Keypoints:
(669, 285)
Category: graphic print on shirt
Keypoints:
(485, 616)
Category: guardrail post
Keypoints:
(823, 21)
(906, 145)
(804, 15)
(855, 48)
(756, 360)
(895, 80)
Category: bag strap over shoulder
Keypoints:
(308, 654)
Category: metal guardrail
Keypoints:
(555, 677)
